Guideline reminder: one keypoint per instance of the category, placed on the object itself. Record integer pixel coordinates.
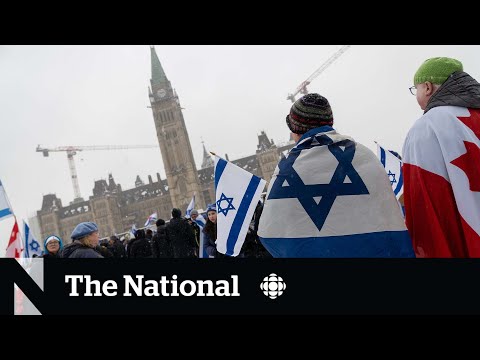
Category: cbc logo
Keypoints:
(273, 286)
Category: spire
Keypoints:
(138, 181)
(207, 159)
(150, 95)
(158, 75)
(111, 183)
(263, 142)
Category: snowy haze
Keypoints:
(97, 95)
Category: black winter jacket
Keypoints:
(78, 250)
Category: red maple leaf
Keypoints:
(470, 164)
(472, 121)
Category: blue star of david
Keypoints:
(34, 245)
(224, 211)
(306, 193)
(393, 176)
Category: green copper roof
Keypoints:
(158, 75)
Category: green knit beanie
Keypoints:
(436, 70)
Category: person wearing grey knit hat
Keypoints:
(194, 212)
(196, 229)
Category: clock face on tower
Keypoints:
(161, 93)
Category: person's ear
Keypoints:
(429, 88)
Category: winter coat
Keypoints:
(160, 245)
(196, 231)
(105, 251)
(49, 255)
(78, 250)
(130, 246)
(253, 247)
(181, 237)
(141, 249)
(118, 250)
(460, 89)
(209, 244)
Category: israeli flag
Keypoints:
(236, 193)
(331, 197)
(190, 207)
(393, 167)
(5, 210)
(133, 231)
(200, 220)
(151, 218)
(32, 246)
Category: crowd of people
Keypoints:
(180, 237)
(331, 197)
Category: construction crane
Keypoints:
(72, 150)
(302, 88)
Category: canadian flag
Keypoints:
(14, 247)
(442, 183)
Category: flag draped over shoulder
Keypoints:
(5, 210)
(330, 197)
(14, 247)
(32, 246)
(442, 182)
(237, 193)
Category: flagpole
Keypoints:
(400, 161)
(24, 238)
(217, 155)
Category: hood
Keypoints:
(45, 251)
(460, 89)
(70, 248)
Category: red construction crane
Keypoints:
(302, 88)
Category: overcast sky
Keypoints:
(98, 95)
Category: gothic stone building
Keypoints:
(115, 210)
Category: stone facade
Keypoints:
(115, 210)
